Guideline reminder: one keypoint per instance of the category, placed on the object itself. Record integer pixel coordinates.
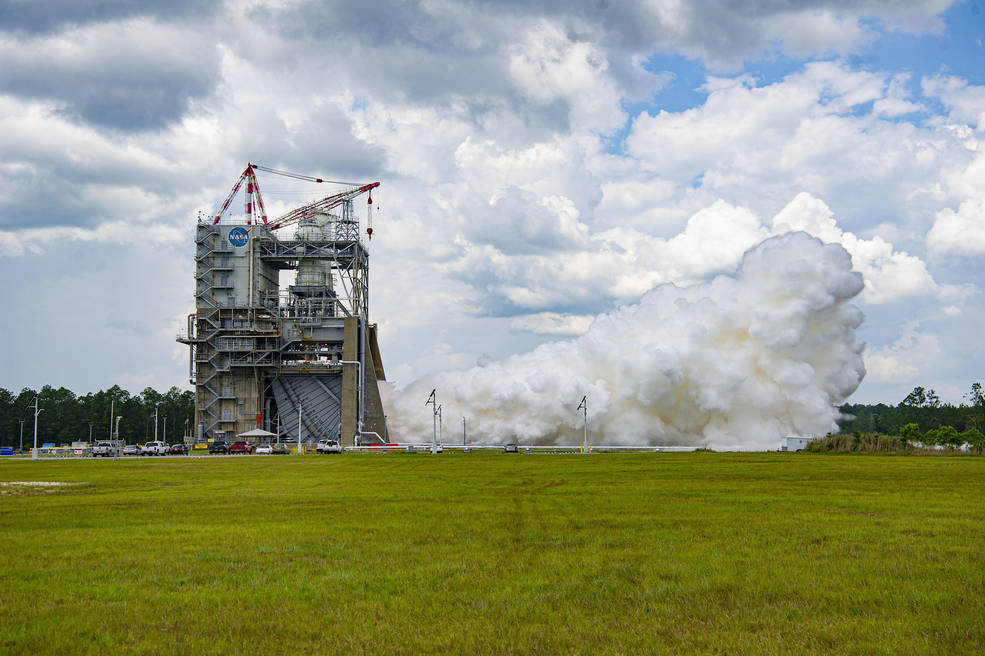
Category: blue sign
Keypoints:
(238, 236)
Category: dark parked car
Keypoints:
(218, 447)
(179, 449)
(241, 447)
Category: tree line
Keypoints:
(921, 412)
(66, 417)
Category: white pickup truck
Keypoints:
(154, 449)
(105, 449)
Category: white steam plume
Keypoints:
(738, 361)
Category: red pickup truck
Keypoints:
(241, 447)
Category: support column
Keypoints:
(350, 380)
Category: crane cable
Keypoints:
(298, 176)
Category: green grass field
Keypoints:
(492, 553)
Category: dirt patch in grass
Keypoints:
(25, 488)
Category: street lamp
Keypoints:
(165, 434)
(90, 432)
(156, 403)
(22, 436)
(111, 402)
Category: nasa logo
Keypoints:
(238, 237)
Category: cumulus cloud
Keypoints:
(889, 274)
(128, 75)
(965, 102)
(739, 360)
(961, 232)
(35, 17)
(912, 355)
(825, 129)
(33, 241)
(622, 263)
(510, 198)
(548, 67)
(553, 323)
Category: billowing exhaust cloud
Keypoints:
(738, 361)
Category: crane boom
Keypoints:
(323, 205)
(254, 201)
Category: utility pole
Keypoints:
(440, 433)
(37, 411)
(156, 403)
(433, 402)
(111, 402)
(22, 435)
(584, 406)
(90, 432)
(463, 430)
(164, 435)
(299, 426)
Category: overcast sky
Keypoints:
(538, 166)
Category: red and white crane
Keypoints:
(254, 202)
(253, 198)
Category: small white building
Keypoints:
(795, 443)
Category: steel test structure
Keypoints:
(303, 358)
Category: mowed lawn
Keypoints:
(495, 553)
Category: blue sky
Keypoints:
(539, 167)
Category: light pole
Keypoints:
(433, 402)
(164, 434)
(463, 430)
(299, 426)
(37, 411)
(439, 425)
(116, 431)
(22, 435)
(584, 406)
(156, 403)
(90, 432)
